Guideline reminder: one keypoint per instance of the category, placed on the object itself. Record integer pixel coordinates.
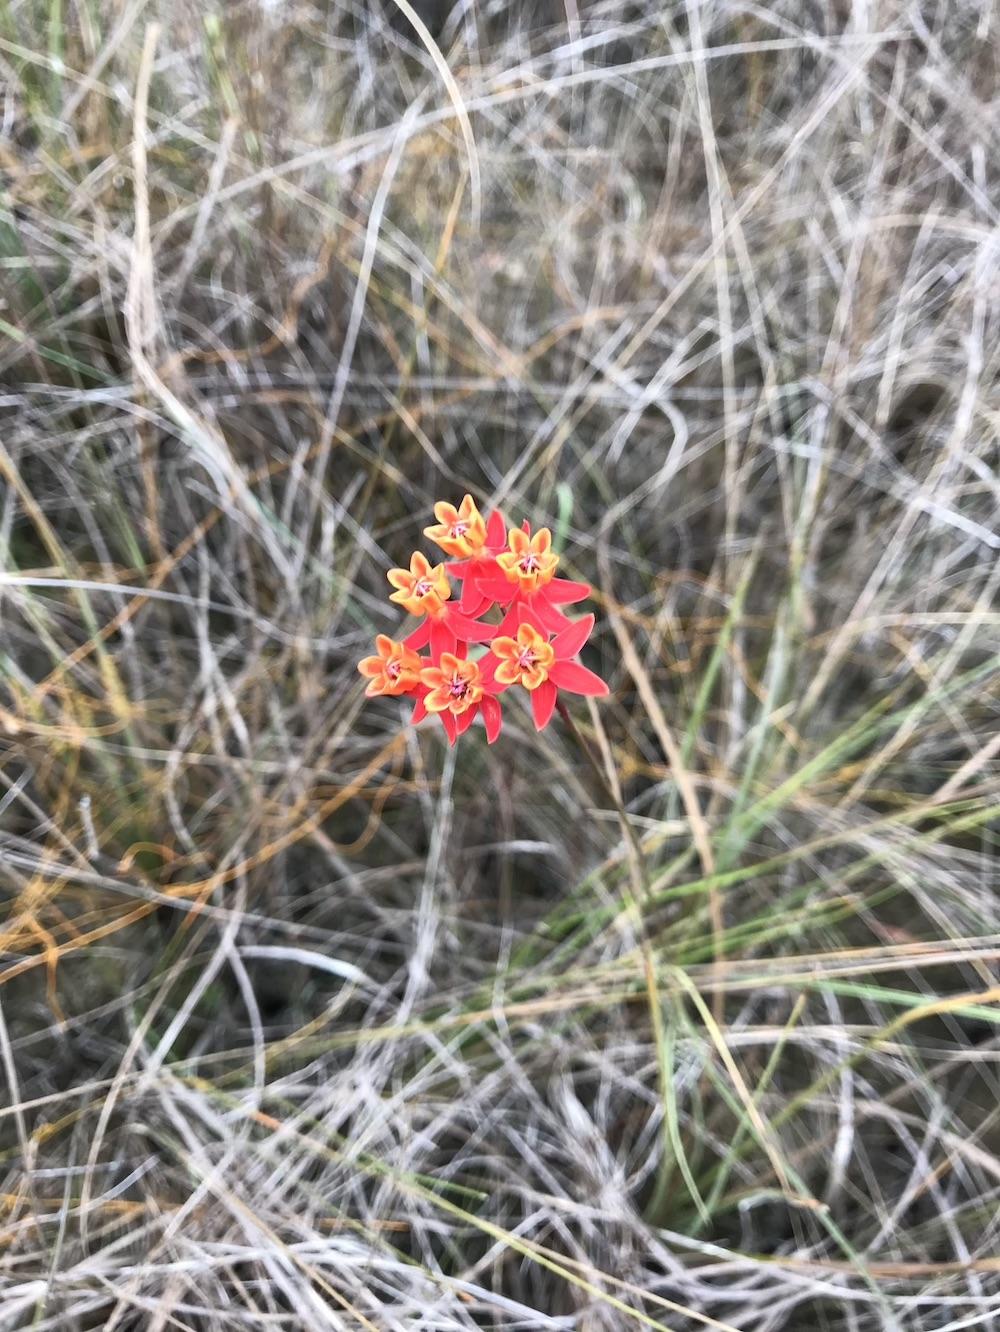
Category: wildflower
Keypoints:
(512, 573)
(459, 532)
(524, 579)
(425, 590)
(543, 667)
(481, 566)
(394, 671)
(524, 660)
(528, 560)
(457, 693)
(421, 589)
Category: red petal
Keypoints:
(465, 719)
(419, 712)
(528, 614)
(459, 570)
(448, 722)
(570, 675)
(496, 530)
(492, 717)
(570, 641)
(497, 589)
(560, 591)
(442, 637)
(420, 637)
(543, 701)
(551, 620)
(488, 669)
(473, 602)
(470, 631)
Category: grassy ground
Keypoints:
(307, 1022)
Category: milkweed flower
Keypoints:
(459, 532)
(421, 589)
(509, 574)
(457, 692)
(525, 580)
(393, 671)
(425, 590)
(543, 667)
(480, 566)
(524, 660)
(528, 561)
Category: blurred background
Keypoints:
(309, 1022)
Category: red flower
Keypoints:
(523, 578)
(423, 590)
(543, 668)
(533, 645)
(481, 566)
(457, 693)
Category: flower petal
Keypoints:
(492, 718)
(496, 530)
(419, 711)
(419, 638)
(543, 701)
(473, 602)
(551, 620)
(497, 589)
(570, 641)
(465, 719)
(442, 637)
(470, 631)
(570, 675)
(562, 591)
(449, 724)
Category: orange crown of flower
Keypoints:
(394, 671)
(455, 685)
(421, 589)
(524, 660)
(459, 532)
(528, 560)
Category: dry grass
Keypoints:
(308, 1023)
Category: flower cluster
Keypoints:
(529, 642)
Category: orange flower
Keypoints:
(395, 671)
(528, 561)
(421, 589)
(455, 685)
(543, 679)
(459, 532)
(524, 660)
